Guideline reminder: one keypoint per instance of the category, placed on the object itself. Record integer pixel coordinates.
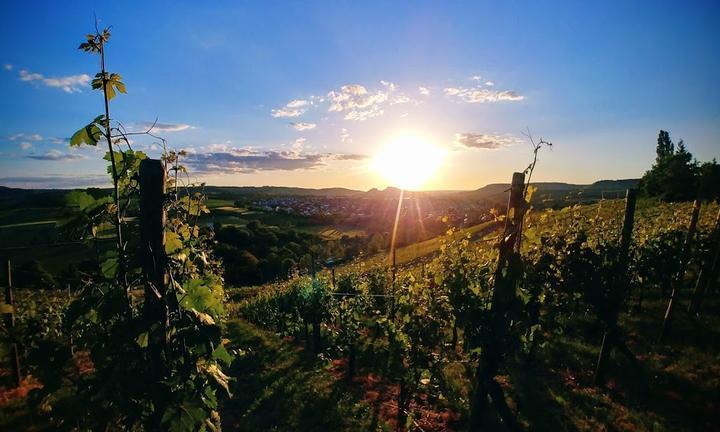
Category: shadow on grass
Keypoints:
(280, 387)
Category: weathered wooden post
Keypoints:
(507, 274)
(10, 324)
(619, 288)
(679, 278)
(709, 270)
(154, 259)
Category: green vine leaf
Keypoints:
(8, 309)
(109, 267)
(112, 82)
(142, 340)
(89, 134)
(222, 355)
(172, 242)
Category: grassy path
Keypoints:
(280, 387)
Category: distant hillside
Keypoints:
(497, 192)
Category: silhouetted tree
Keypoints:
(709, 181)
(674, 175)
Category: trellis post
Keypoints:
(154, 260)
(679, 278)
(610, 337)
(10, 324)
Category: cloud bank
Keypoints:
(56, 155)
(248, 161)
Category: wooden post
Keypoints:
(679, 278)
(154, 259)
(618, 292)
(506, 278)
(10, 324)
(72, 342)
(708, 271)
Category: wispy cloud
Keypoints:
(424, 91)
(56, 155)
(59, 141)
(301, 126)
(25, 137)
(294, 108)
(25, 145)
(350, 157)
(68, 84)
(8, 67)
(161, 127)
(484, 141)
(481, 95)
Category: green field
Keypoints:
(407, 254)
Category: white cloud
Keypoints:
(26, 145)
(345, 136)
(476, 77)
(489, 83)
(294, 108)
(354, 96)
(481, 95)
(359, 104)
(69, 84)
(424, 91)
(297, 103)
(389, 85)
(355, 101)
(299, 144)
(8, 66)
(301, 126)
(484, 141)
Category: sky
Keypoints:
(307, 93)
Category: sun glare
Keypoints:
(408, 162)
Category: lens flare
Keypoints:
(408, 162)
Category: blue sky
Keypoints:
(305, 93)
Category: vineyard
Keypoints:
(425, 334)
(413, 344)
(601, 316)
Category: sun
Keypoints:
(408, 162)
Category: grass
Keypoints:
(213, 203)
(674, 389)
(280, 387)
(408, 254)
